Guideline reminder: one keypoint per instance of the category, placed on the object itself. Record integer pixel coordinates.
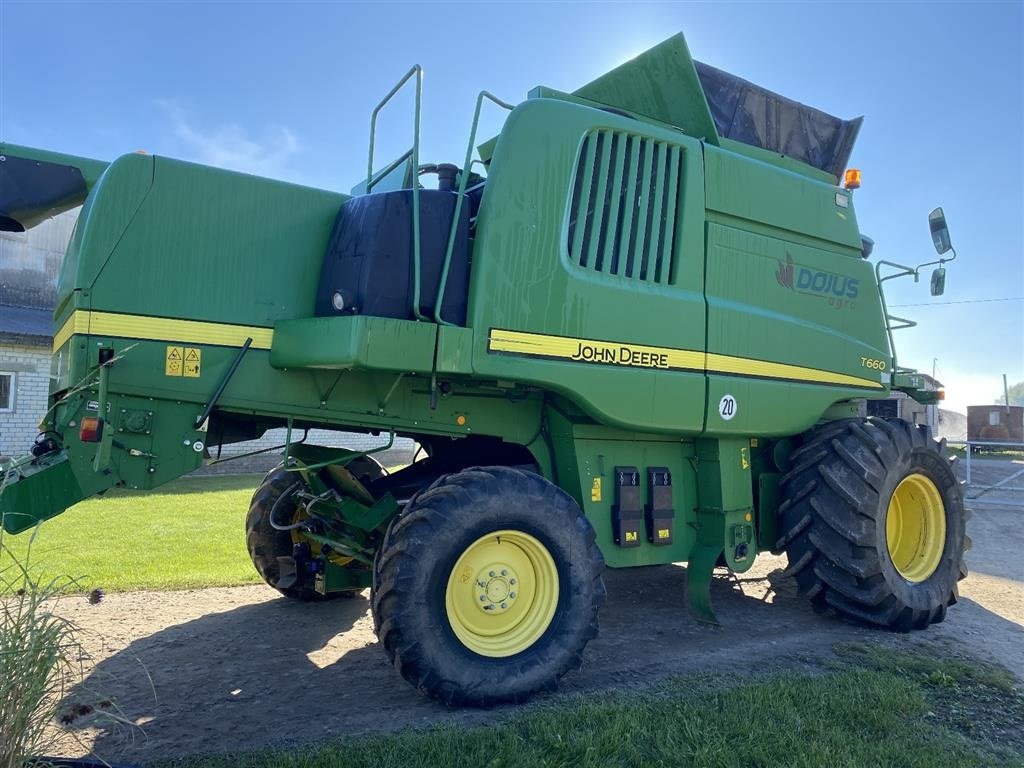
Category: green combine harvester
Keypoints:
(640, 329)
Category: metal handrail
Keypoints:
(904, 270)
(417, 72)
(464, 177)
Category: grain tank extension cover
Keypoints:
(746, 112)
(666, 84)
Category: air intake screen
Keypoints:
(622, 217)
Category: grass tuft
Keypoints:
(38, 660)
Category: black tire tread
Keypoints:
(829, 512)
(427, 517)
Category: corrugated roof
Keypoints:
(23, 321)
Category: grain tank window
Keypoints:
(622, 215)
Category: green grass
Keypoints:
(189, 533)
(871, 708)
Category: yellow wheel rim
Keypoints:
(915, 528)
(502, 593)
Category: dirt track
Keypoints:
(221, 669)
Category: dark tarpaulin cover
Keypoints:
(748, 113)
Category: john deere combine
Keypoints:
(640, 329)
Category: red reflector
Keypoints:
(91, 430)
(940, 395)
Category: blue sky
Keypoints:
(285, 90)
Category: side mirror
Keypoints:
(940, 233)
(939, 281)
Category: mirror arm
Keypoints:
(940, 262)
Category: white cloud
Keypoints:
(230, 146)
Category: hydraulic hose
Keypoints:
(287, 494)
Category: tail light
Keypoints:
(91, 430)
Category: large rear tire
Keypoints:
(873, 522)
(487, 587)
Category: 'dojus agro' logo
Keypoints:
(840, 290)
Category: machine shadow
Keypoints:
(242, 678)
(285, 672)
(228, 680)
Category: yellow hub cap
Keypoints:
(915, 528)
(502, 593)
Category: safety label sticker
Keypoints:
(193, 362)
(175, 358)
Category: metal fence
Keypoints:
(995, 479)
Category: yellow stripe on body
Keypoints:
(742, 366)
(641, 356)
(78, 322)
(161, 329)
(631, 355)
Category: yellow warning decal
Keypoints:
(664, 533)
(595, 489)
(632, 536)
(173, 364)
(193, 362)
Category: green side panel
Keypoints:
(754, 191)
(660, 83)
(525, 279)
(795, 293)
(780, 161)
(172, 239)
(110, 207)
(586, 457)
(354, 341)
(725, 509)
(454, 350)
(713, 487)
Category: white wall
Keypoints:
(31, 369)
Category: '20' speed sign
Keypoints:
(727, 407)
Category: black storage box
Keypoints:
(628, 511)
(369, 258)
(659, 513)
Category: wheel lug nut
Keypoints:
(504, 605)
(504, 572)
(511, 595)
(483, 598)
(491, 574)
